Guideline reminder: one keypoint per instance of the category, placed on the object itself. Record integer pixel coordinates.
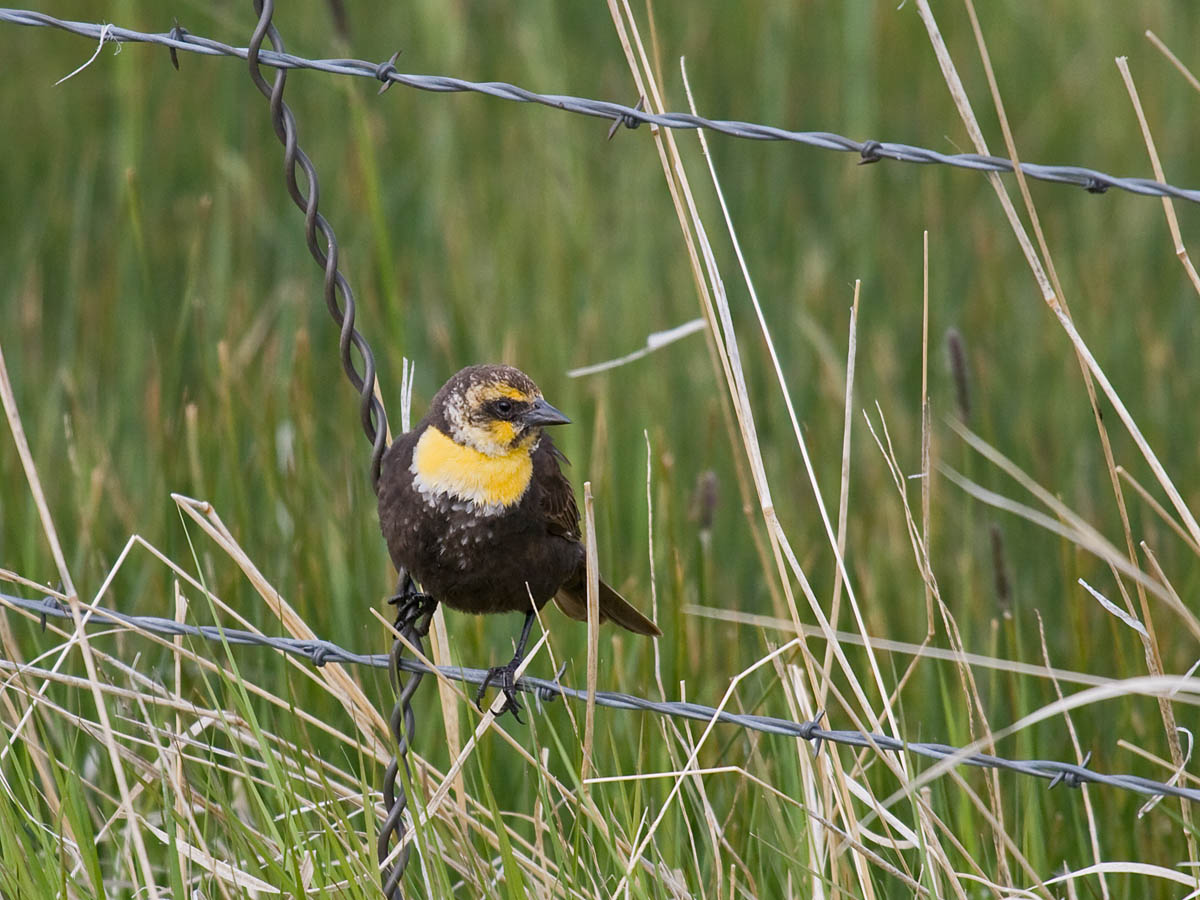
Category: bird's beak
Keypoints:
(543, 413)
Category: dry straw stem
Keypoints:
(1168, 206)
(662, 691)
(819, 794)
(9, 402)
(844, 484)
(920, 555)
(1175, 61)
(593, 629)
(926, 440)
(176, 770)
(439, 645)
(1157, 571)
(1158, 509)
(439, 638)
(921, 543)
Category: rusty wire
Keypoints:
(869, 151)
(320, 652)
(411, 621)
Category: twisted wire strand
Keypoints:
(870, 151)
(402, 723)
(374, 420)
(545, 690)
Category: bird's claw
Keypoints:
(414, 611)
(505, 678)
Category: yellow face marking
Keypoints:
(441, 466)
(505, 390)
(502, 432)
(480, 394)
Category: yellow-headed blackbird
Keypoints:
(474, 507)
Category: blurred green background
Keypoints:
(151, 263)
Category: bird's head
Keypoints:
(494, 410)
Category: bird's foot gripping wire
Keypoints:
(505, 679)
(506, 676)
(414, 610)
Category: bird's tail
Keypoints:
(572, 600)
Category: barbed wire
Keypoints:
(870, 151)
(320, 652)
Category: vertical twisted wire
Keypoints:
(374, 421)
(412, 617)
(412, 621)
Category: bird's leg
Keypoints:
(414, 610)
(506, 676)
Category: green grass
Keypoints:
(164, 331)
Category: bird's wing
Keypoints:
(558, 497)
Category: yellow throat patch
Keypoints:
(489, 483)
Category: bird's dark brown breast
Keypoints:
(475, 562)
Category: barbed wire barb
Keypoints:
(869, 151)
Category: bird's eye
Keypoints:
(504, 407)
